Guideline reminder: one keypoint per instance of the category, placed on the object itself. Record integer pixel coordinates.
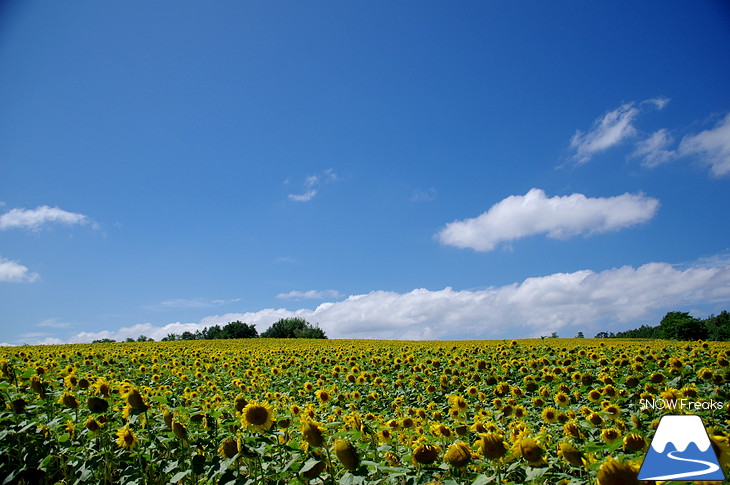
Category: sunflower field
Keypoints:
(268, 411)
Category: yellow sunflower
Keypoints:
(257, 416)
(126, 438)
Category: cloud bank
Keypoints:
(309, 295)
(561, 302)
(712, 145)
(34, 219)
(12, 272)
(558, 217)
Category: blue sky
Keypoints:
(431, 170)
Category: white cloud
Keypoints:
(305, 197)
(33, 219)
(659, 102)
(558, 217)
(654, 150)
(610, 300)
(611, 129)
(53, 323)
(309, 295)
(134, 331)
(607, 131)
(12, 272)
(713, 145)
(423, 195)
(310, 183)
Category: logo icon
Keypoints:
(681, 450)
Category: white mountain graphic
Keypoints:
(680, 449)
(680, 431)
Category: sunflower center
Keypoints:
(257, 415)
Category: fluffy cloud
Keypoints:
(33, 219)
(310, 184)
(309, 295)
(611, 129)
(560, 217)
(655, 149)
(12, 272)
(712, 145)
(612, 299)
(607, 131)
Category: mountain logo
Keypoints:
(681, 450)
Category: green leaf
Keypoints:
(482, 479)
(179, 476)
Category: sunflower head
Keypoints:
(312, 433)
(347, 454)
(240, 402)
(492, 446)
(126, 438)
(634, 442)
(614, 472)
(529, 450)
(258, 416)
(97, 404)
(135, 400)
(458, 454)
(68, 400)
(425, 454)
(92, 425)
(228, 448)
(570, 454)
(179, 430)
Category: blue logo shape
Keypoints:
(681, 450)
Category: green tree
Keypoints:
(681, 326)
(718, 327)
(239, 329)
(293, 328)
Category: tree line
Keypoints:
(681, 326)
(283, 328)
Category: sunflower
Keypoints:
(228, 448)
(614, 472)
(257, 416)
(347, 454)
(609, 435)
(492, 446)
(126, 438)
(634, 442)
(240, 402)
(570, 454)
(426, 454)
(530, 450)
(458, 454)
(68, 400)
(92, 425)
(322, 395)
(179, 430)
(312, 433)
(721, 447)
(550, 414)
(135, 400)
(562, 399)
(97, 404)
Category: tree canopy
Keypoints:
(293, 328)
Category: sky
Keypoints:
(390, 170)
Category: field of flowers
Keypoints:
(553, 411)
